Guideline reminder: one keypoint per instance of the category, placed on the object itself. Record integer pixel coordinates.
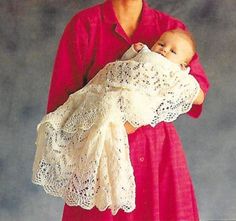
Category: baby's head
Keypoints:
(177, 46)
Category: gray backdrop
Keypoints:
(29, 35)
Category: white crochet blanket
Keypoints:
(82, 147)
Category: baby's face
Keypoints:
(175, 48)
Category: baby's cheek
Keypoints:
(173, 58)
(156, 49)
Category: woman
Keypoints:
(99, 35)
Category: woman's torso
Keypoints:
(154, 152)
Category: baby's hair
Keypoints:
(186, 34)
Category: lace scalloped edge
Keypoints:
(113, 211)
(188, 108)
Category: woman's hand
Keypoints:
(200, 97)
(129, 128)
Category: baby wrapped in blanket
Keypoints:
(82, 147)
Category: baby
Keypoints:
(82, 147)
(178, 46)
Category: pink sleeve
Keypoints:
(198, 72)
(70, 64)
(196, 68)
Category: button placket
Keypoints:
(141, 159)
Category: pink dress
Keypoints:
(164, 189)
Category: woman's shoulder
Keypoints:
(167, 21)
(87, 15)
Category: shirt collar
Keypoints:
(109, 16)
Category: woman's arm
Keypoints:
(199, 74)
(70, 63)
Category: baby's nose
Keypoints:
(164, 50)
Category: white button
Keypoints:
(141, 159)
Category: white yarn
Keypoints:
(82, 147)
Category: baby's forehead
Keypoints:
(172, 35)
(179, 34)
